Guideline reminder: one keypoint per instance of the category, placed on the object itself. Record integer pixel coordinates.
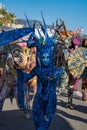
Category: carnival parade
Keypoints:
(40, 67)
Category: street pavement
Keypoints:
(11, 118)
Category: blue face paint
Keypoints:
(47, 78)
(45, 58)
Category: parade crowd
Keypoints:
(33, 70)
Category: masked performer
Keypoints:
(11, 78)
(20, 61)
(73, 82)
(44, 104)
(2, 88)
(84, 76)
(75, 43)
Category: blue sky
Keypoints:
(73, 12)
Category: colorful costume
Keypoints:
(2, 89)
(84, 75)
(84, 84)
(75, 42)
(69, 43)
(47, 73)
(44, 104)
(7, 37)
(20, 61)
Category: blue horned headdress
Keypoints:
(44, 44)
(48, 74)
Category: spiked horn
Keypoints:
(44, 27)
(63, 24)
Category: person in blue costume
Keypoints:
(21, 89)
(44, 104)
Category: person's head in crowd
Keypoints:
(84, 42)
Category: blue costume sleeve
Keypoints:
(29, 76)
(57, 73)
(30, 45)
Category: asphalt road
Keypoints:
(11, 118)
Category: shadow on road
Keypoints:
(60, 123)
(15, 120)
(69, 116)
(81, 108)
(77, 107)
